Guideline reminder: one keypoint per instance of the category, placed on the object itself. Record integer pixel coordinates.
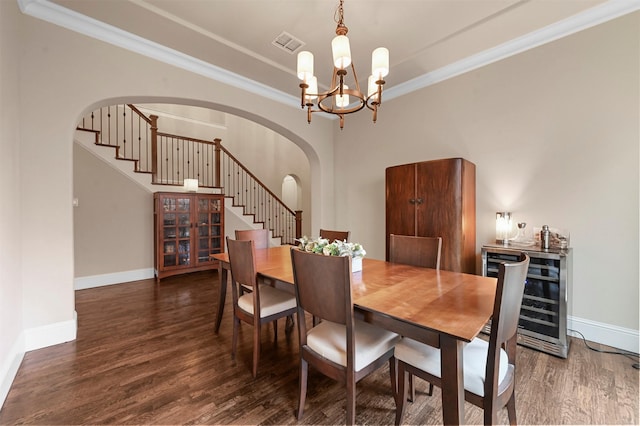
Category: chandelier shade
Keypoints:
(341, 52)
(305, 65)
(340, 99)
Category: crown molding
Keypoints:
(587, 19)
(58, 15)
(74, 21)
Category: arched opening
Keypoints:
(292, 192)
(261, 148)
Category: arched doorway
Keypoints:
(292, 192)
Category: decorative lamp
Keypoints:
(191, 185)
(340, 99)
(503, 227)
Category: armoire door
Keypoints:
(400, 201)
(439, 212)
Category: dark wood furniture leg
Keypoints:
(452, 381)
(222, 294)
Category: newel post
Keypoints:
(154, 148)
(298, 224)
(216, 172)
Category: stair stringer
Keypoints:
(238, 212)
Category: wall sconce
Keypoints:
(504, 227)
(191, 185)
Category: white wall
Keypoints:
(11, 282)
(113, 222)
(554, 134)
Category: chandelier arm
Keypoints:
(304, 87)
(355, 77)
(380, 83)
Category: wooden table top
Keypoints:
(452, 303)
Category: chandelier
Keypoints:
(341, 99)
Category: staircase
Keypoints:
(170, 159)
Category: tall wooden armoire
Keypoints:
(435, 199)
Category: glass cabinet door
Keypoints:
(210, 235)
(176, 231)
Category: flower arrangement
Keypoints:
(335, 248)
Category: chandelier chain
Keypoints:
(341, 29)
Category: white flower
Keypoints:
(336, 248)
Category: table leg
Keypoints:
(222, 295)
(452, 380)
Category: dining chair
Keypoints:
(335, 235)
(341, 347)
(260, 237)
(489, 367)
(264, 304)
(415, 251)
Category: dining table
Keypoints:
(441, 308)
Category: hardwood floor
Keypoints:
(147, 354)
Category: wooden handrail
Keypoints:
(186, 138)
(141, 114)
(223, 149)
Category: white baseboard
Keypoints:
(82, 283)
(606, 334)
(31, 339)
(51, 334)
(10, 367)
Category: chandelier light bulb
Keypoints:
(380, 63)
(305, 66)
(372, 88)
(341, 52)
(342, 101)
(312, 91)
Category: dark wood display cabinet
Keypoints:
(435, 199)
(188, 229)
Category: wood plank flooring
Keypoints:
(146, 353)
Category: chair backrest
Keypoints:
(242, 262)
(506, 313)
(323, 286)
(415, 251)
(509, 292)
(335, 235)
(260, 237)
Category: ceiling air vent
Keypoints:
(288, 43)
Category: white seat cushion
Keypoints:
(427, 358)
(272, 301)
(329, 340)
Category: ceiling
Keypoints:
(423, 36)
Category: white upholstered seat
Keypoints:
(427, 358)
(329, 340)
(272, 301)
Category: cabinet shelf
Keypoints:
(544, 309)
(188, 229)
